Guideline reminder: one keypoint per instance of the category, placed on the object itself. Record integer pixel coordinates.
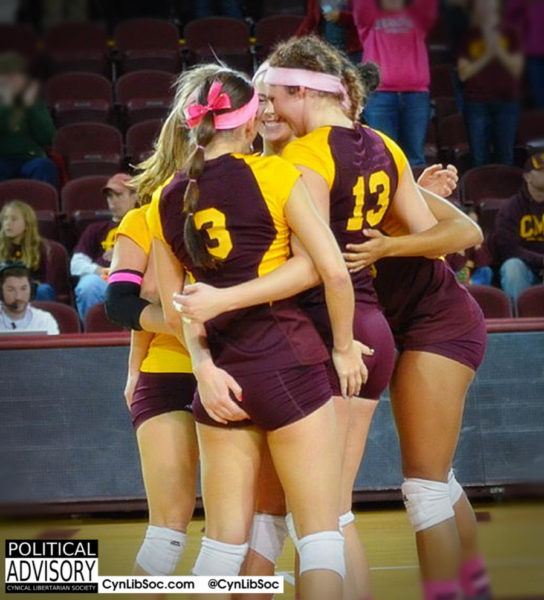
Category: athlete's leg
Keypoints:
(357, 582)
(428, 394)
(169, 458)
(307, 459)
(230, 463)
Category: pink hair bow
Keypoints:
(216, 101)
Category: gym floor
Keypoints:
(511, 534)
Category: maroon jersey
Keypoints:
(362, 168)
(423, 301)
(97, 242)
(241, 213)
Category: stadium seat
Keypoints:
(531, 302)
(147, 44)
(66, 316)
(84, 193)
(487, 211)
(530, 127)
(442, 81)
(58, 271)
(79, 97)
(18, 38)
(40, 195)
(270, 30)
(140, 138)
(223, 37)
(48, 225)
(493, 301)
(144, 95)
(453, 141)
(77, 46)
(490, 182)
(90, 148)
(97, 321)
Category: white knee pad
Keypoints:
(161, 550)
(455, 489)
(267, 537)
(323, 550)
(218, 558)
(345, 519)
(427, 502)
(290, 523)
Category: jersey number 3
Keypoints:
(213, 221)
(374, 216)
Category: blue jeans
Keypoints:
(516, 277)
(90, 290)
(492, 124)
(45, 292)
(482, 276)
(404, 117)
(535, 74)
(41, 169)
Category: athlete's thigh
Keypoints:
(169, 456)
(428, 397)
(230, 459)
(306, 455)
(270, 496)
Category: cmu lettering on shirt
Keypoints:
(109, 242)
(400, 24)
(531, 228)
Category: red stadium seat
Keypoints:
(48, 225)
(490, 181)
(487, 211)
(97, 321)
(442, 81)
(147, 44)
(40, 195)
(84, 193)
(73, 46)
(144, 95)
(79, 97)
(18, 38)
(58, 270)
(65, 316)
(531, 302)
(271, 30)
(224, 37)
(140, 138)
(494, 303)
(453, 141)
(90, 148)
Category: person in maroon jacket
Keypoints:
(93, 252)
(519, 240)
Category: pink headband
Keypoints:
(323, 82)
(220, 101)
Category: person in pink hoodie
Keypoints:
(392, 33)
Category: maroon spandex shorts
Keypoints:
(274, 399)
(158, 393)
(370, 328)
(468, 349)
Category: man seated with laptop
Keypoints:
(16, 313)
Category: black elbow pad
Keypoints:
(123, 303)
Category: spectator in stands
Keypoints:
(473, 265)
(333, 20)
(392, 34)
(519, 237)
(528, 16)
(16, 314)
(490, 65)
(92, 254)
(225, 8)
(21, 241)
(26, 127)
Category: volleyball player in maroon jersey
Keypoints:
(228, 219)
